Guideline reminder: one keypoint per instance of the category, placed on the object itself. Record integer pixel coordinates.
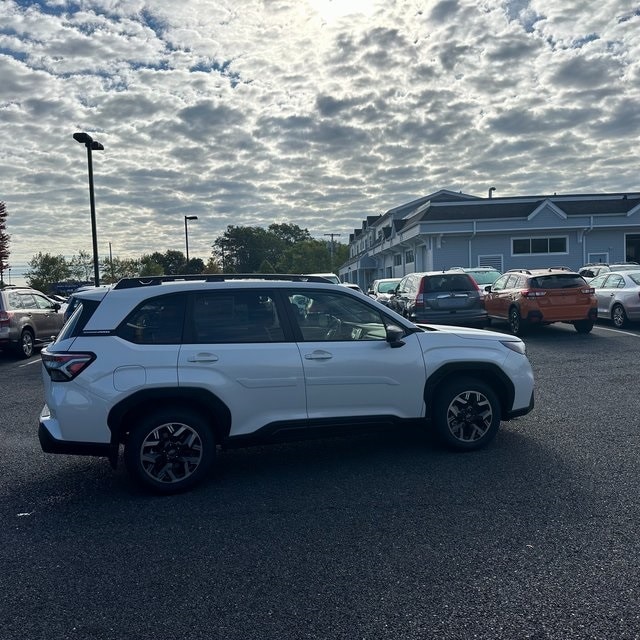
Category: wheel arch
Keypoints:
(143, 401)
(486, 372)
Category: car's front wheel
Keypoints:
(170, 450)
(466, 414)
(619, 316)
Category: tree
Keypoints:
(150, 267)
(172, 262)
(81, 266)
(115, 269)
(45, 270)
(310, 256)
(195, 265)
(289, 233)
(4, 243)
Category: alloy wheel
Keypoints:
(171, 452)
(469, 416)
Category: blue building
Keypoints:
(447, 229)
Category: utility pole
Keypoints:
(332, 235)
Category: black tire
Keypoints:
(466, 414)
(516, 323)
(583, 326)
(619, 316)
(25, 346)
(170, 450)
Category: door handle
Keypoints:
(203, 357)
(318, 355)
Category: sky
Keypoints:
(311, 112)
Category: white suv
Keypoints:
(172, 367)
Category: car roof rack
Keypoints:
(148, 281)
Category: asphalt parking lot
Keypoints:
(388, 536)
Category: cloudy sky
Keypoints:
(314, 112)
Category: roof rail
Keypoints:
(148, 281)
(519, 271)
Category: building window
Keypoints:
(397, 260)
(408, 256)
(533, 246)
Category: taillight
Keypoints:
(5, 319)
(63, 367)
(588, 291)
(528, 293)
(419, 300)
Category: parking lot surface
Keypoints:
(368, 537)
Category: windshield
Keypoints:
(485, 277)
(387, 287)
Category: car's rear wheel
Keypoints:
(583, 326)
(25, 347)
(170, 450)
(619, 316)
(516, 324)
(466, 414)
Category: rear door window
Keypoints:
(241, 316)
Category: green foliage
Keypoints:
(310, 256)
(81, 266)
(150, 267)
(282, 248)
(4, 242)
(45, 270)
(266, 267)
(117, 268)
(172, 262)
(195, 265)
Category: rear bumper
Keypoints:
(50, 444)
(537, 317)
(461, 317)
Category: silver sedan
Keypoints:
(618, 294)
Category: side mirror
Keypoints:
(57, 306)
(488, 288)
(394, 336)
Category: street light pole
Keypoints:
(186, 234)
(91, 145)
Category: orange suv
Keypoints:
(525, 297)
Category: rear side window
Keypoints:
(75, 323)
(156, 321)
(233, 317)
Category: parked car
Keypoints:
(524, 297)
(440, 297)
(618, 295)
(593, 269)
(352, 285)
(482, 275)
(332, 277)
(170, 369)
(382, 290)
(28, 319)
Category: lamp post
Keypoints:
(91, 145)
(186, 234)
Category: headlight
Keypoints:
(515, 345)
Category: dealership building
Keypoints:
(451, 229)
